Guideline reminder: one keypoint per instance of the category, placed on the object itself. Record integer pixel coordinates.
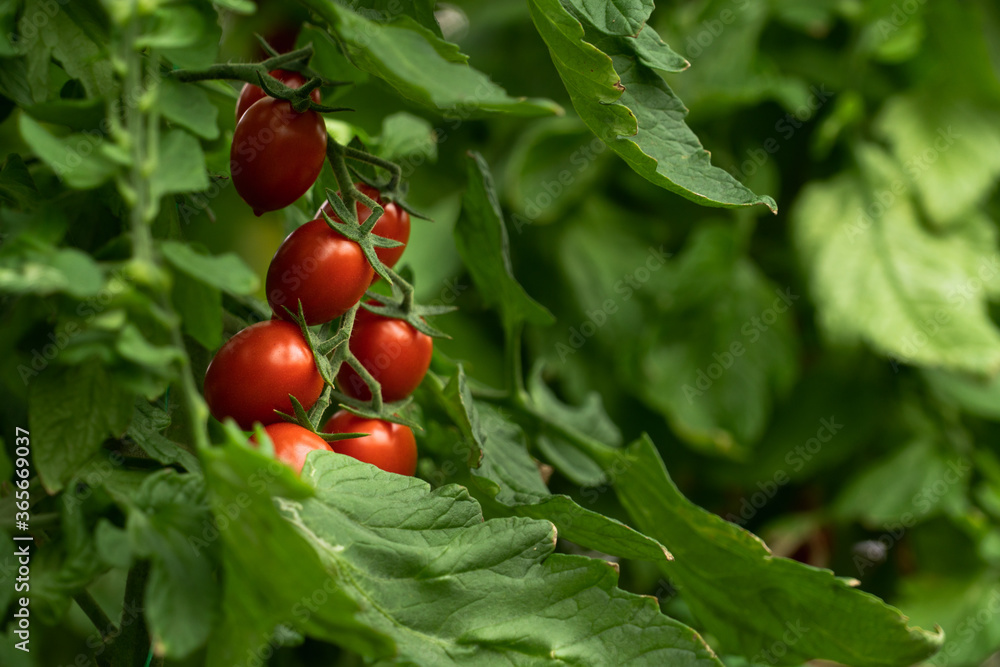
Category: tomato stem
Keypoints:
(96, 614)
(141, 133)
(395, 171)
(247, 72)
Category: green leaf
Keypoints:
(190, 36)
(420, 66)
(977, 396)
(957, 602)
(77, 38)
(614, 17)
(146, 430)
(949, 150)
(588, 418)
(260, 593)
(629, 107)
(58, 270)
(421, 11)
(17, 188)
(653, 52)
(71, 411)
(511, 478)
(715, 360)
(242, 7)
(180, 168)
(879, 275)
(553, 164)
(71, 561)
(200, 308)
(226, 272)
(78, 159)
(85, 114)
(173, 27)
(133, 345)
(455, 398)
(188, 105)
(481, 237)
(451, 588)
(6, 471)
(751, 600)
(182, 592)
(405, 135)
(880, 495)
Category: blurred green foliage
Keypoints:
(825, 377)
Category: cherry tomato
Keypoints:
(395, 353)
(388, 446)
(277, 154)
(292, 443)
(318, 266)
(394, 223)
(252, 375)
(252, 93)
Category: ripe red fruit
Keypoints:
(251, 93)
(396, 354)
(315, 264)
(277, 154)
(394, 223)
(292, 443)
(253, 373)
(388, 446)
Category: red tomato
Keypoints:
(277, 154)
(318, 266)
(389, 446)
(292, 443)
(252, 375)
(395, 353)
(394, 223)
(252, 93)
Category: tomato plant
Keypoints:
(256, 372)
(388, 446)
(396, 354)
(601, 342)
(277, 153)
